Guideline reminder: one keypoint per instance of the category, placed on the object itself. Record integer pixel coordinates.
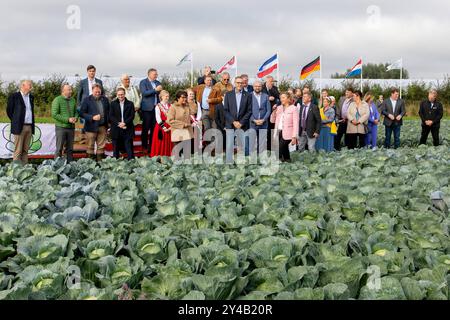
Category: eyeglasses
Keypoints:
(239, 82)
(226, 79)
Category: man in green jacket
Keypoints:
(64, 111)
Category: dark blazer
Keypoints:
(387, 109)
(249, 89)
(16, 112)
(148, 95)
(220, 117)
(201, 80)
(89, 109)
(230, 109)
(313, 120)
(435, 113)
(261, 111)
(83, 89)
(273, 92)
(115, 118)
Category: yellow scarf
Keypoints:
(331, 125)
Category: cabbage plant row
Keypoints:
(351, 225)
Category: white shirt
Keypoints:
(122, 105)
(91, 83)
(161, 108)
(394, 104)
(28, 112)
(258, 98)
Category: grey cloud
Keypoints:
(134, 35)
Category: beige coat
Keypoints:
(179, 117)
(364, 117)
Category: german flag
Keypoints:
(310, 68)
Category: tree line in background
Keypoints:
(375, 71)
(47, 89)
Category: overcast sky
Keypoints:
(131, 36)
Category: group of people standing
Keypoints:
(297, 119)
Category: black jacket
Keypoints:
(435, 113)
(313, 121)
(387, 109)
(89, 109)
(273, 92)
(115, 118)
(16, 112)
(220, 117)
(230, 109)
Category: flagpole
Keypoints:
(278, 70)
(360, 59)
(192, 69)
(236, 59)
(320, 81)
(401, 77)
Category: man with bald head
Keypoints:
(20, 110)
(64, 112)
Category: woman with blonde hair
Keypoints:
(328, 131)
(162, 142)
(286, 119)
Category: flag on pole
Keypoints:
(186, 58)
(356, 70)
(396, 65)
(268, 67)
(231, 64)
(310, 68)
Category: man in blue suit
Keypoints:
(261, 110)
(237, 108)
(150, 89)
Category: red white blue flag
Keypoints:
(268, 67)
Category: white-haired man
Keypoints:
(20, 110)
(131, 93)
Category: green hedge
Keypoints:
(47, 89)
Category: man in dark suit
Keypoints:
(246, 87)
(431, 113)
(150, 89)
(310, 123)
(95, 112)
(274, 98)
(20, 110)
(393, 110)
(237, 108)
(121, 116)
(341, 117)
(206, 72)
(84, 89)
(271, 89)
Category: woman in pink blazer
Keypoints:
(286, 119)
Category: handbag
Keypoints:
(180, 135)
(366, 128)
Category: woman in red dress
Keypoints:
(162, 143)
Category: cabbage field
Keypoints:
(358, 224)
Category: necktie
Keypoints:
(304, 117)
